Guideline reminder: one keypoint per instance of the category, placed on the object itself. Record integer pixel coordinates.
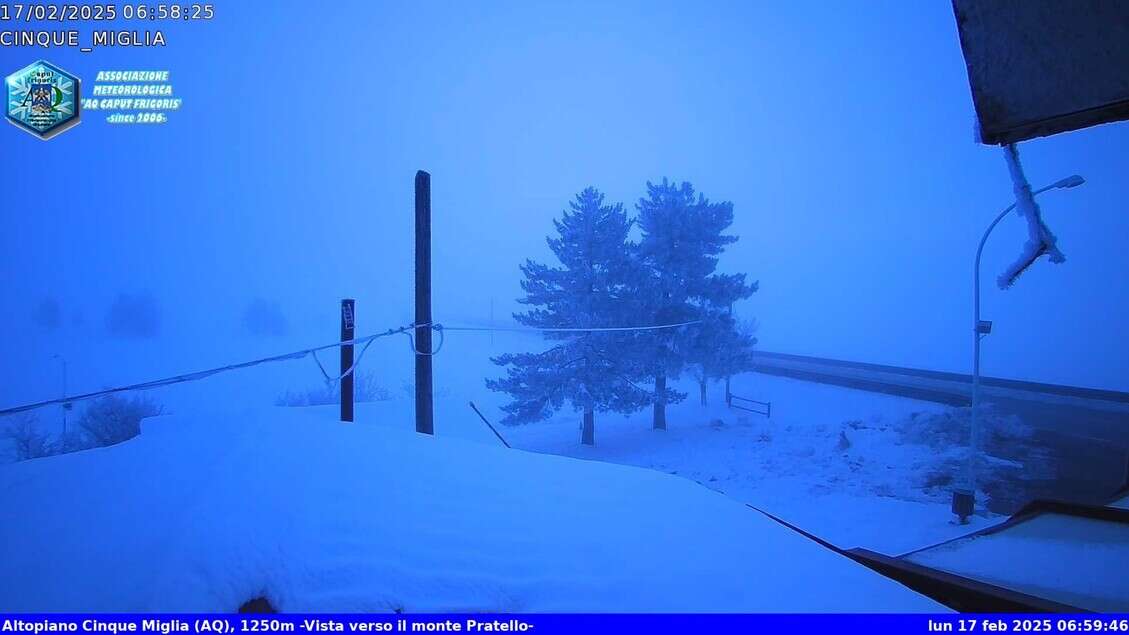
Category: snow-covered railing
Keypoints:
(751, 405)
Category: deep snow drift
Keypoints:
(204, 513)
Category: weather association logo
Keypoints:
(43, 99)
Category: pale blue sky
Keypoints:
(841, 131)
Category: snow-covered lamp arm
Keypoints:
(1040, 239)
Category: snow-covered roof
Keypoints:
(1070, 559)
(1042, 67)
(204, 513)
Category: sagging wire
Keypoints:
(204, 374)
(596, 329)
(330, 381)
(366, 341)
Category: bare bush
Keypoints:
(113, 419)
(73, 441)
(366, 388)
(409, 388)
(27, 441)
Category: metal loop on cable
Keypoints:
(442, 338)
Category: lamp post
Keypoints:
(980, 328)
(66, 406)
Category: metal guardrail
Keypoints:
(960, 378)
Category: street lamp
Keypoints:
(963, 502)
(66, 406)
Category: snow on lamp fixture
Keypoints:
(1069, 182)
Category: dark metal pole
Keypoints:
(424, 421)
(348, 330)
(492, 429)
(729, 395)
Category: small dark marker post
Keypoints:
(424, 422)
(728, 395)
(348, 331)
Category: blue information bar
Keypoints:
(549, 624)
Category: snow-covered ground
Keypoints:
(829, 460)
(202, 513)
(869, 494)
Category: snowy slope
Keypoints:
(204, 513)
(454, 417)
(868, 495)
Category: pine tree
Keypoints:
(719, 347)
(682, 237)
(587, 289)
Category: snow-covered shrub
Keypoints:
(366, 388)
(1007, 461)
(26, 439)
(133, 315)
(113, 419)
(944, 430)
(74, 440)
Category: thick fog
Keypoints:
(843, 135)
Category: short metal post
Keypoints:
(66, 406)
(728, 394)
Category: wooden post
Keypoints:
(348, 331)
(424, 421)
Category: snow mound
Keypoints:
(204, 513)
